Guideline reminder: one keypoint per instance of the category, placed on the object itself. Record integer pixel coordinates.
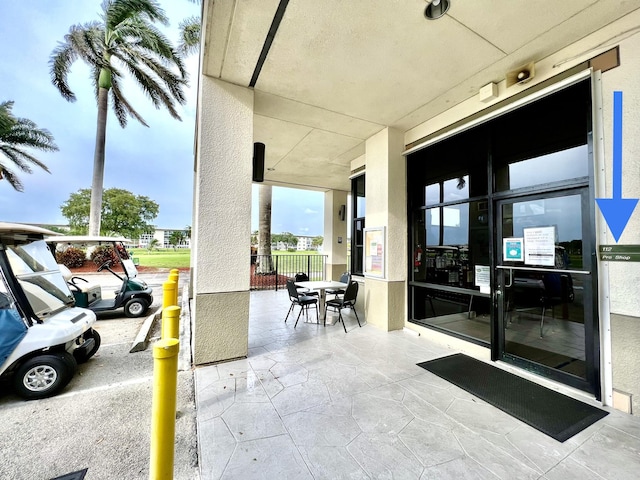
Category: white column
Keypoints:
(222, 221)
(335, 233)
(387, 207)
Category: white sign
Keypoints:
(540, 246)
(483, 276)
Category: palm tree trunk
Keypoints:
(264, 232)
(98, 163)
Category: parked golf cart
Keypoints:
(133, 294)
(42, 335)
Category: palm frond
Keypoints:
(143, 37)
(118, 11)
(122, 107)
(12, 178)
(190, 30)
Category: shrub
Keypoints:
(72, 257)
(103, 254)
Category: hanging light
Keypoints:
(436, 9)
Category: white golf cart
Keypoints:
(42, 334)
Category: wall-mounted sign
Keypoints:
(374, 242)
(540, 246)
(512, 250)
(619, 253)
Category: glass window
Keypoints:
(358, 200)
(456, 189)
(432, 194)
(552, 167)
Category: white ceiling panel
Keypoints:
(339, 71)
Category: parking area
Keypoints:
(102, 419)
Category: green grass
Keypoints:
(181, 257)
(163, 258)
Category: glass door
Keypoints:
(544, 287)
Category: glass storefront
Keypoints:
(522, 179)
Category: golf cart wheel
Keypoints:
(135, 307)
(44, 375)
(80, 355)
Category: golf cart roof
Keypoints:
(86, 239)
(21, 228)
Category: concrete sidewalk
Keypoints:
(314, 402)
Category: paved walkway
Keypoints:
(316, 403)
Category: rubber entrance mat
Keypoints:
(552, 413)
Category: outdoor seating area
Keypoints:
(315, 402)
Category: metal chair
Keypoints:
(347, 301)
(303, 301)
(344, 278)
(303, 277)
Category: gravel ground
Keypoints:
(101, 421)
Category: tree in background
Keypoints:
(16, 134)
(176, 238)
(265, 261)
(187, 231)
(124, 40)
(289, 239)
(123, 213)
(317, 241)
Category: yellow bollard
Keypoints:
(170, 327)
(174, 276)
(163, 408)
(169, 289)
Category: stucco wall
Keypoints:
(624, 277)
(625, 337)
(223, 221)
(223, 187)
(222, 327)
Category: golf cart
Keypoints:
(131, 293)
(43, 336)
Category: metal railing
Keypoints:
(270, 272)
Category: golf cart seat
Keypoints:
(84, 293)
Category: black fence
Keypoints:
(270, 272)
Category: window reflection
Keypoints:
(456, 189)
(554, 167)
(432, 194)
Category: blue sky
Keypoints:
(156, 162)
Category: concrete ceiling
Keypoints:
(339, 71)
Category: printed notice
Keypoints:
(512, 250)
(483, 274)
(540, 246)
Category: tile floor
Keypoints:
(316, 403)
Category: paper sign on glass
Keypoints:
(540, 246)
(512, 250)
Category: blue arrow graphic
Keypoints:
(617, 210)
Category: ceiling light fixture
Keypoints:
(436, 9)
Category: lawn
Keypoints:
(180, 258)
(162, 258)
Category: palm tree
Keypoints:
(189, 36)
(124, 40)
(15, 135)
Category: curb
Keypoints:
(142, 339)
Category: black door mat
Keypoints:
(79, 475)
(550, 412)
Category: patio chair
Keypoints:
(304, 301)
(347, 301)
(303, 277)
(344, 278)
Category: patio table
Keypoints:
(322, 286)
